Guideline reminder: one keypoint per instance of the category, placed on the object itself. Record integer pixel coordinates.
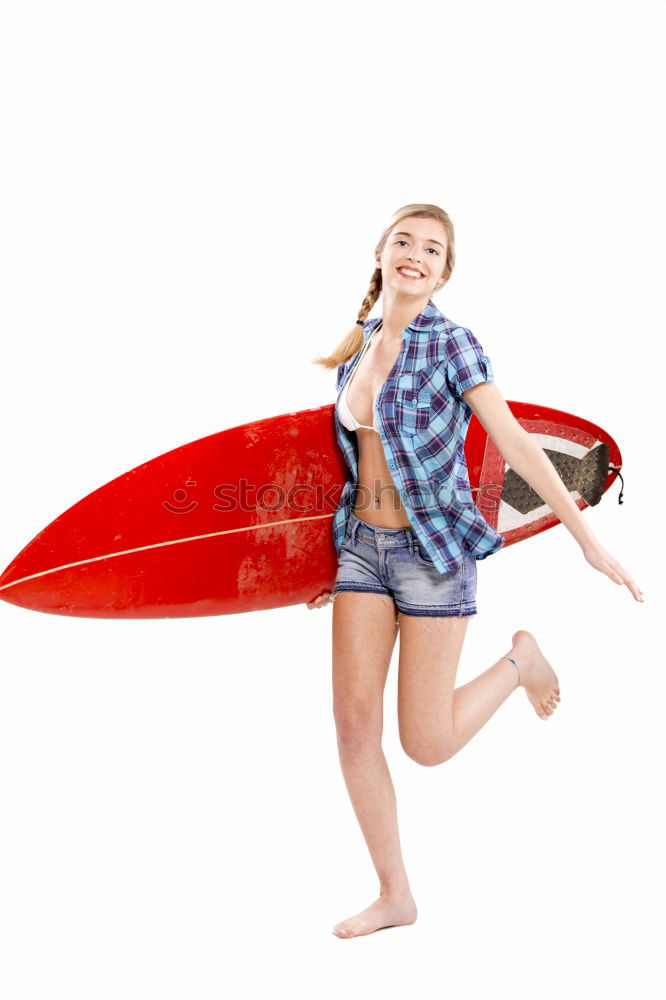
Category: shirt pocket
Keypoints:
(413, 402)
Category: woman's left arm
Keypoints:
(528, 459)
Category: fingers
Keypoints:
(320, 601)
(634, 589)
(618, 574)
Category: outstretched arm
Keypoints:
(528, 459)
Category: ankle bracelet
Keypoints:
(517, 668)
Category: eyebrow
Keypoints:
(427, 241)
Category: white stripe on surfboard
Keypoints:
(161, 545)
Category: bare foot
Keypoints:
(536, 674)
(387, 911)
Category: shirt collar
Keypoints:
(422, 323)
(426, 319)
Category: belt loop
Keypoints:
(354, 528)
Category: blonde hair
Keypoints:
(348, 347)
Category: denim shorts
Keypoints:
(392, 561)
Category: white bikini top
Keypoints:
(347, 418)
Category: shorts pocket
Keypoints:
(347, 544)
(421, 556)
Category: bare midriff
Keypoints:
(377, 499)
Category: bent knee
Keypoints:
(427, 755)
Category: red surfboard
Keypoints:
(241, 520)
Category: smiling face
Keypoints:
(414, 257)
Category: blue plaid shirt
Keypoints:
(423, 422)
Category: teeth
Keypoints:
(409, 272)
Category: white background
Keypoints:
(190, 200)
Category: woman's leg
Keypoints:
(364, 633)
(435, 719)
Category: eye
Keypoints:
(436, 252)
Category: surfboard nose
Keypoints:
(186, 534)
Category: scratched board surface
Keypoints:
(241, 520)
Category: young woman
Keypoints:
(408, 548)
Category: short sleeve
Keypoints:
(466, 363)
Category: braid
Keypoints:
(373, 293)
(354, 339)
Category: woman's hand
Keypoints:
(320, 601)
(597, 556)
